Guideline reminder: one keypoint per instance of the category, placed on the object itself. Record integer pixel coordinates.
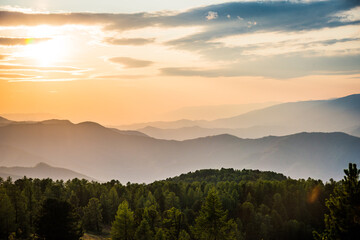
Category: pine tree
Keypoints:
(123, 226)
(172, 223)
(58, 221)
(160, 235)
(7, 216)
(184, 235)
(144, 232)
(92, 215)
(211, 224)
(343, 220)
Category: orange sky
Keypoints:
(135, 65)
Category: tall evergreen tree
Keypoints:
(343, 220)
(7, 216)
(92, 215)
(123, 226)
(58, 221)
(144, 232)
(211, 224)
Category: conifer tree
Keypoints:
(144, 232)
(160, 235)
(92, 215)
(211, 224)
(58, 221)
(7, 216)
(184, 235)
(123, 226)
(343, 220)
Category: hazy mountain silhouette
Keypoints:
(106, 154)
(334, 115)
(214, 111)
(41, 170)
(29, 116)
(355, 131)
(4, 121)
(197, 132)
(164, 124)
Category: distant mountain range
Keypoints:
(214, 111)
(105, 153)
(41, 170)
(335, 115)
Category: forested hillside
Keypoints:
(228, 203)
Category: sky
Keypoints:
(120, 61)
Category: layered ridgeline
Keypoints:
(335, 115)
(41, 171)
(105, 153)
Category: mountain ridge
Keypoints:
(107, 154)
(42, 170)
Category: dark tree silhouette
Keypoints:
(58, 221)
(343, 220)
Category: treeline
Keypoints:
(230, 204)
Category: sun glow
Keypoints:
(47, 53)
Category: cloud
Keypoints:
(3, 56)
(129, 41)
(232, 19)
(212, 15)
(130, 62)
(40, 69)
(120, 76)
(280, 67)
(14, 75)
(21, 41)
(274, 15)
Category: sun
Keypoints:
(46, 53)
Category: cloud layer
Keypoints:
(130, 62)
(283, 59)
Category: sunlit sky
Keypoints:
(122, 61)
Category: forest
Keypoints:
(205, 204)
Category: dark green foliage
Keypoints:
(211, 223)
(227, 174)
(7, 216)
(123, 225)
(92, 218)
(143, 232)
(343, 219)
(246, 204)
(58, 221)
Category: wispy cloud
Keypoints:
(212, 15)
(120, 76)
(40, 69)
(280, 67)
(14, 75)
(131, 62)
(21, 41)
(129, 41)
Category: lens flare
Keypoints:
(45, 53)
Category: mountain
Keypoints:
(333, 115)
(106, 154)
(321, 115)
(29, 116)
(4, 121)
(164, 125)
(214, 111)
(197, 132)
(41, 170)
(355, 131)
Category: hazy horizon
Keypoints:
(117, 63)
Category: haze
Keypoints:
(139, 61)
